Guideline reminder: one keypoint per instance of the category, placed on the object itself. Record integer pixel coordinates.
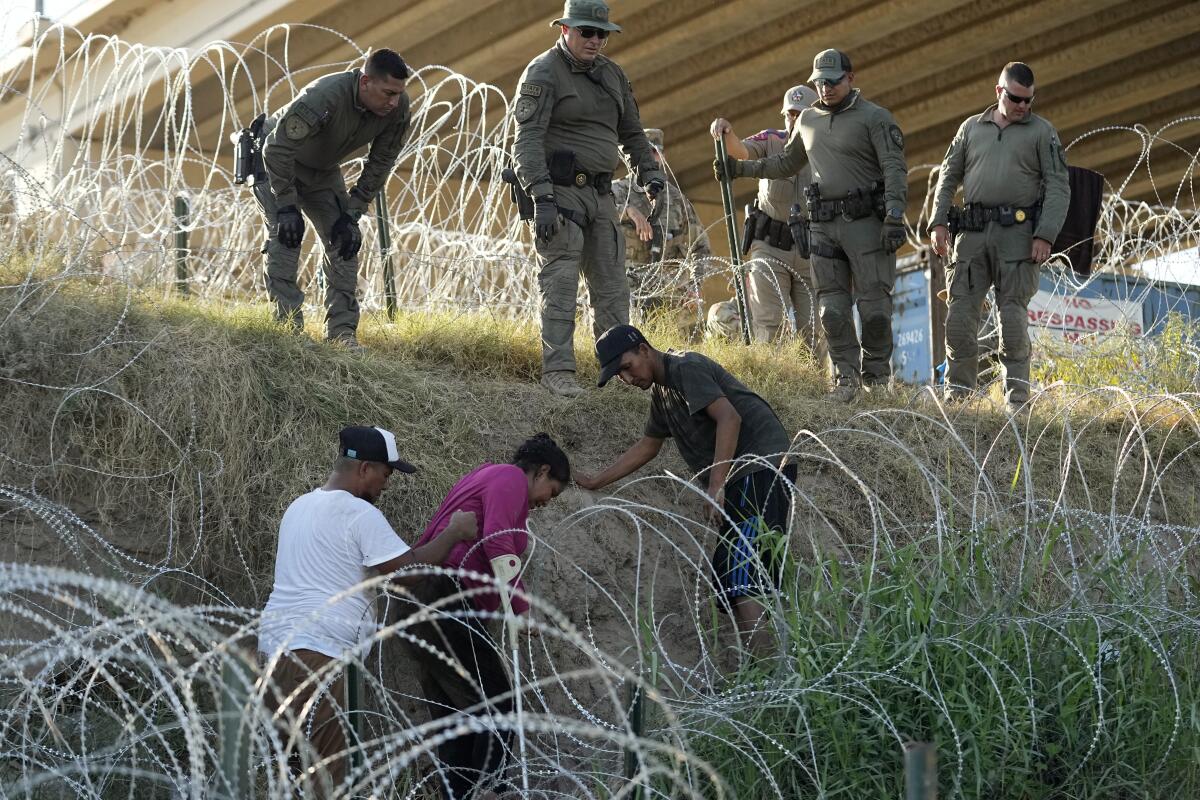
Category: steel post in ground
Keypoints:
(237, 678)
(385, 251)
(920, 771)
(633, 764)
(354, 705)
(182, 214)
(735, 248)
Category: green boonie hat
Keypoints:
(655, 137)
(586, 13)
(828, 66)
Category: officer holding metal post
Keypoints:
(781, 288)
(575, 112)
(303, 146)
(1016, 190)
(856, 211)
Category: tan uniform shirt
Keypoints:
(850, 147)
(591, 114)
(776, 196)
(683, 235)
(1016, 166)
(307, 140)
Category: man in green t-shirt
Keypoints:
(732, 441)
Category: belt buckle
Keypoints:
(581, 179)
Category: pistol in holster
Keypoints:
(749, 228)
(657, 236)
(798, 225)
(817, 211)
(248, 166)
(518, 195)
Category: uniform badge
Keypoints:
(1019, 216)
(897, 136)
(526, 106)
(580, 179)
(295, 127)
(531, 89)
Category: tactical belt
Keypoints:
(857, 204)
(975, 216)
(772, 231)
(601, 181)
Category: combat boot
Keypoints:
(562, 383)
(843, 392)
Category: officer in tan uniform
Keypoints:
(305, 143)
(664, 272)
(1013, 171)
(856, 212)
(575, 112)
(781, 288)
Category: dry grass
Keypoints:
(168, 423)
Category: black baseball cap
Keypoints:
(373, 444)
(614, 343)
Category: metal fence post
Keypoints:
(385, 251)
(920, 771)
(354, 706)
(633, 701)
(236, 680)
(182, 213)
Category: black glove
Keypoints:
(545, 217)
(346, 236)
(654, 186)
(893, 236)
(290, 223)
(725, 171)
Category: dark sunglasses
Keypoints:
(819, 82)
(1016, 98)
(589, 32)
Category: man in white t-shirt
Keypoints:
(331, 540)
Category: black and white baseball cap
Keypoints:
(373, 444)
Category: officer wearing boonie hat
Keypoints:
(781, 295)
(856, 207)
(565, 154)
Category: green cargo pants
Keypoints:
(781, 297)
(850, 266)
(1000, 257)
(322, 206)
(595, 248)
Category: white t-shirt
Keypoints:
(327, 541)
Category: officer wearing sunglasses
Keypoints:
(575, 114)
(1013, 171)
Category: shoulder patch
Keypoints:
(896, 135)
(306, 113)
(762, 136)
(295, 127)
(532, 89)
(525, 108)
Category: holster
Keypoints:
(248, 166)
(798, 225)
(518, 195)
(748, 229)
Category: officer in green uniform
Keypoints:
(665, 273)
(856, 209)
(781, 288)
(305, 143)
(1013, 171)
(574, 112)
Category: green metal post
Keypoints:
(735, 248)
(354, 712)
(182, 213)
(385, 251)
(920, 771)
(236, 680)
(633, 701)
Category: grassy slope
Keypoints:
(124, 408)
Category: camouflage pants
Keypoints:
(781, 297)
(851, 269)
(595, 249)
(1000, 257)
(322, 206)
